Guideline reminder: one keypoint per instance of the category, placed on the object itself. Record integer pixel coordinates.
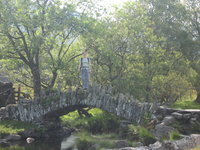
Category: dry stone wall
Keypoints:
(56, 105)
(6, 93)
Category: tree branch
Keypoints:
(24, 83)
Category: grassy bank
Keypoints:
(186, 104)
(197, 148)
(12, 127)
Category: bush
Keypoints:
(174, 136)
(100, 121)
(104, 122)
(84, 144)
(168, 89)
(13, 127)
(141, 134)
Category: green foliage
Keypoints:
(197, 148)
(104, 122)
(15, 147)
(168, 89)
(147, 48)
(38, 37)
(186, 104)
(140, 133)
(12, 127)
(174, 136)
(99, 122)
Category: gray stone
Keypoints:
(187, 116)
(13, 137)
(183, 144)
(163, 131)
(138, 144)
(168, 120)
(55, 105)
(4, 143)
(121, 143)
(6, 93)
(30, 140)
(131, 148)
(156, 146)
(177, 115)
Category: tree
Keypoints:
(41, 30)
(178, 21)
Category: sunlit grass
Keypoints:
(197, 148)
(186, 104)
(187, 101)
(12, 148)
(13, 127)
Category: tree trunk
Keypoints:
(55, 74)
(36, 81)
(197, 86)
(198, 97)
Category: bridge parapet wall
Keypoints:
(63, 103)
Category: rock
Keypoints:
(163, 131)
(13, 137)
(4, 143)
(30, 140)
(6, 93)
(168, 145)
(138, 144)
(30, 133)
(121, 143)
(125, 123)
(58, 133)
(128, 148)
(156, 146)
(187, 116)
(168, 120)
(183, 144)
(177, 115)
(193, 120)
(196, 138)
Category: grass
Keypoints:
(15, 147)
(186, 104)
(101, 141)
(99, 122)
(13, 127)
(197, 148)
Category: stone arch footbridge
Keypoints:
(60, 104)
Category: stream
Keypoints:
(67, 143)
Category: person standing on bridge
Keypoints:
(85, 70)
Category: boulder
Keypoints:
(4, 143)
(156, 146)
(177, 115)
(121, 143)
(183, 144)
(30, 133)
(168, 120)
(187, 116)
(30, 140)
(162, 131)
(13, 137)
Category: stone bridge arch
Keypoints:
(59, 104)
